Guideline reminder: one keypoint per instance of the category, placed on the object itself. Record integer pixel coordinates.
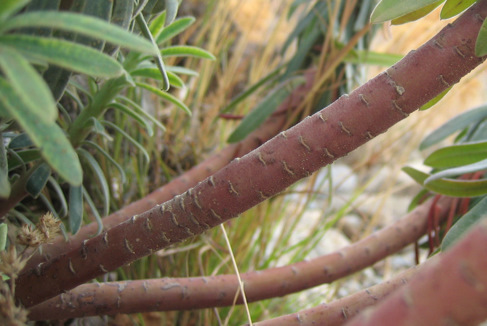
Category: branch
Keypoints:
(217, 291)
(450, 291)
(177, 186)
(337, 312)
(294, 154)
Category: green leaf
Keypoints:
(182, 71)
(390, 9)
(130, 139)
(457, 155)
(469, 168)
(157, 25)
(171, 10)
(82, 24)
(4, 182)
(481, 43)
(154, 73)
(109, 158)
(65, 54)
(263, 110)
(186, 51)
(60, 196)
(449, 187)
(166, 96)
(27, 83)
(37, 180)
(20, 141)
(97, 170)
(3, 236)
(453, 125)
(75, 208)
(454, 7)
(20, 158)
(10, 7)
(94, 210)
(417, 14)
(372, 58)
(175, 28)
(134, 115)
(465, 223)
(47, 135)
(143, 112)
(435, 100)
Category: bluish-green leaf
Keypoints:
(65, 54)
(166, 96)
(60, 196)
(457, 155)
(417, 14)
(98, 172)
(37, 180)
(47, 135)
(134, 115)
(75, 216)
(109, 158)
(186, 51)
(94, 210)
(175, 28)
(3, 236)
(469, 168)
(449, 187)
(130, 139)
(452, 8)
(466, 222)
(81, 24)
(143, 112)
(390, 9)
(4, 182)
(27, 82)
(435, 100)
(171, 10)
(154, 73)
(21, 158)
(20, 141)
(10, 7)
(263, 110)
(481, 43)
(453, 125)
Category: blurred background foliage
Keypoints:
(98, 127)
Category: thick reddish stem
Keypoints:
(315, 142)
(450, 291)
(205, 292)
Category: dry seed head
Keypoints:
(49, 226)
(29, 236)
(10, 263)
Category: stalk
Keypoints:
(294, 154)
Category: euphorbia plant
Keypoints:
(323, 137)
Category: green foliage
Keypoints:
(62, 71)
(458, 170)
(400, 12)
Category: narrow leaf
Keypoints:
(20, 141)
(3, 236)
(47, 135)
(154, 73)
(469, 168)
(65, 54)
(60, 196)
(134, 115)
(372, 58)
(175, 28)
(28, 84)
(157, 25)
(166, 96)
(186, 51)
(109, 158)
(466, 222)
(435, 100)
(98, 172)
(143, 112)
(417, 14)
(390, 9)
(455, 7)
(75, 216)
(82, 24)
(457, 155)
(37, 180)
(4, 182)
(171, 10)
(449, 187)
(130, 139)
(10, 7)
(94, 211)
(453, 125)
(265, 108)
(481, 43)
